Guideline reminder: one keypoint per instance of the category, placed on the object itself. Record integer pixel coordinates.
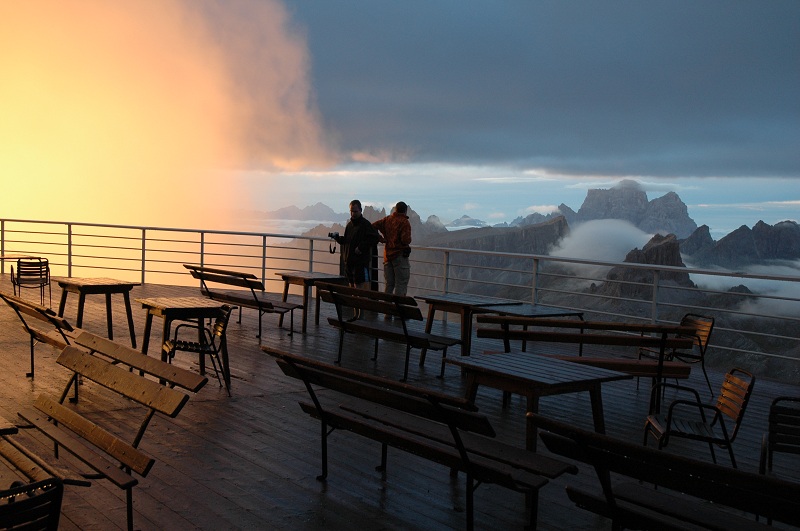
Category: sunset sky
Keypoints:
(491, 109)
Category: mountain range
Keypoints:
(538, 233)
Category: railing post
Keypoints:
(69, 249)
(310, 255)
(202, 248)
(144, 257)
(654, 302)
(446, 272)
(534, 280)
(264, 261)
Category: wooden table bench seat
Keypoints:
(400, 308)
(253, 296)
(106, 452)
(441, 428)
(645, 488)
(660, 338)
(58, 329)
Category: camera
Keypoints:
(333, 235)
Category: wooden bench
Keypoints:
(400, 308)
(644, 488)
(102, 449)
(658, 337)
(58, 331)
(256, 298)
(441, 428)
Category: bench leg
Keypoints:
(470, 492)
(324, 439)
(532, 500)
(408, 356)
(30, 374)
(129, 499)
(341, 344)
(384, 458)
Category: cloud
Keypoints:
(577, 89)
(601, 240)
(121, 107)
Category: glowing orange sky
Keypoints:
(129, 112)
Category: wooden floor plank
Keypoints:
(250, 461)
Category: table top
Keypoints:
(308, 276)
(80, 282)
(530, 310)
(535, 369)
(179, 303)
(466, 300)
(16, 256)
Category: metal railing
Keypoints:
(757, 315)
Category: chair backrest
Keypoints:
(784, 426)
(32, 506)
(703, 326)
(734, 396)
(33, 268)
(221, 322)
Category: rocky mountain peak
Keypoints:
(628, 201)
(745, 246)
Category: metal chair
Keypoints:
(703, 326)
(682, 419)
(32, 273)
(33, 506)
(783, 433)
(210, 343)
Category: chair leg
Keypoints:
(708, 382)
(216, 363)
(713, 455)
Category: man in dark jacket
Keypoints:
(357, 243)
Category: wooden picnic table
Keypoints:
(97, 286)
(182, 309)
(467, 305)
(534, 377)
(306, 279)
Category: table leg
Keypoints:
(531, 431)
(63, 303)
(306, 290)
(226, 368)
(285, 298)
(316, 308)
(127, 298)
(81, 302)
(148, 322)
(109, 320)
(428, 327)
(165, 337)
(597, 409)
(466, 331)
(471, 387)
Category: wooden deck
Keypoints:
(250, 461)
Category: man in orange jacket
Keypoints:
(395, 231)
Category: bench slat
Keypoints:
(745, 491)
(587, 339)
(476, 444)
(79, 449)
(91, 432)
(34, 467)
(487, 470)
(182, 378)
(146, 392)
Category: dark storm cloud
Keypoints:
(687, 88)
